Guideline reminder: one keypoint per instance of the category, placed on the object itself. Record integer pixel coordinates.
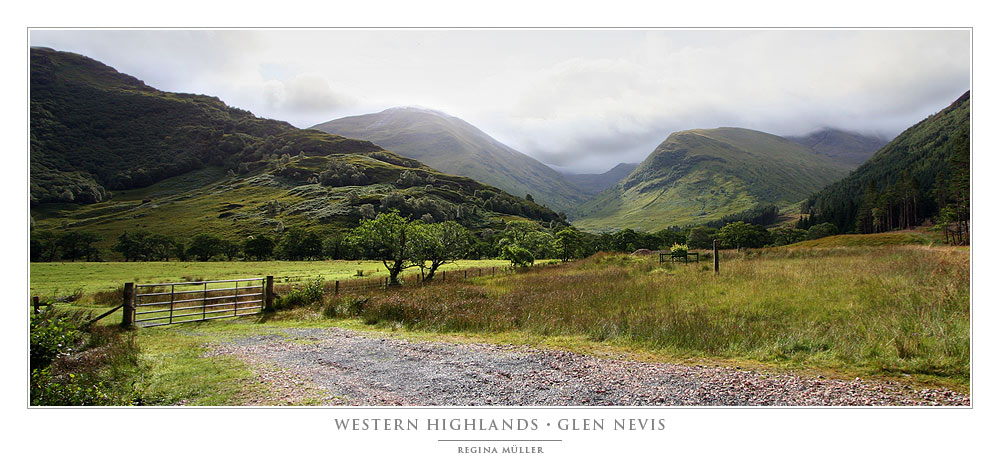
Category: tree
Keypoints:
(78, 245)
(527, 235)
(518, 257)
(787, 235)
(44, 246)
(700, 237)
(231, 250)
(388, 238)
(821, 230)
(625, 240)
(259, 247)
(668, 237)
(337, 246)
(439, 244)
(298, 244)
(132, 246)
(742, 235)
(204, 246)
(159, 247)
(569, 243)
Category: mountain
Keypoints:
(596, 183)
(452, 145)
(841, 146)
(109, 153)
(696, 176)
(914, 172)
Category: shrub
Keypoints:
(69, 366)
(308, 294)
(679, 251)
(347, 305)
(51, 336)
(71, 389)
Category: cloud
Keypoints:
(584, 99)
(305, 94)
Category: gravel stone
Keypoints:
(344, 367)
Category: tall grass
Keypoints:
(895, 310)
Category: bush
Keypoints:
(679, 251)
(51, 336)
(100, 366)
(308, 294)
(345, 305)
(68, 390)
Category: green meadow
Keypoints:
(58, 279)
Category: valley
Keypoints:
(845, 259)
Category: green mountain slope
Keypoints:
(696, 176)
(596, 183)
(183, 164)
(454, 146)
(923, 152)
(842, 146)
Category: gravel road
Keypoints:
(341, 367)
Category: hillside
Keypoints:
(914, 171)
(696, 176)
(596, 183)
(842, 146)
(452, 145)
(184, 164)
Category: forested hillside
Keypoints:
(907, 182)
(182, 164)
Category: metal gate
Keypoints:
(169, 303)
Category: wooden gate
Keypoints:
(159, 304)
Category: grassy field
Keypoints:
(52, 280)
(895, 312)
(890, 311)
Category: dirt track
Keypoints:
(343, 367)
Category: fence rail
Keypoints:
(158, 304)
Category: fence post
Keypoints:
(336, 287)
(34, 302)
(715, 252)
(465, 274)
(128, 310)
(269, 293)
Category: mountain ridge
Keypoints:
(454, 146)
(595, 183)
(847, 147)
(190, 163)
(698, 175)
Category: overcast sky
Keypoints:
(578, 99)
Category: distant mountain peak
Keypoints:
(847, 147)
(455, 146)
(698, 175)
